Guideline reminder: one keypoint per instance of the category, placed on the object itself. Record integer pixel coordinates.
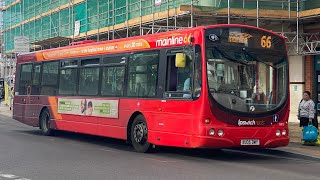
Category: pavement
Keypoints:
(294, 147)
(5, 110)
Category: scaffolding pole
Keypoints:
(228, 11)
(143, 12)
(257, 13)
(297, 26)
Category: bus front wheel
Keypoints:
(139, 134)
(45, 123)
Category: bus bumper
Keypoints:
(283, 141)
(216, 142)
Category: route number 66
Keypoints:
(266, 42)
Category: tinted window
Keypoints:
(68, 81)
(143, 74)
(25, 79)
(112, 81)
(179, 79)
(87, 62)
(89, 81)
(36, 74)
(49, 78)
(114, 60)
(69, 63)
(36, 79)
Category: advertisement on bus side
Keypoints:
(88, 107)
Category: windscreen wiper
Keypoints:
(228, 57)
(256, 58)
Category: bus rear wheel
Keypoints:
(45, 123)
(139, 135)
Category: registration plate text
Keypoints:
(250, 142)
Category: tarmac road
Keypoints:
(27, 155)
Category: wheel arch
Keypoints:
(132, 117)
(39, 117)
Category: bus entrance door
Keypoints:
(27, 102)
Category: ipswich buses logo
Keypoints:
(246, 123)
(174, 40)
(251, 123)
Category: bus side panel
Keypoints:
(117, 127)
(32, 110)
(26, 110)
(78, 127)
(18, 108)
(70, 122)
(173, 125)
(18, 103)
(169, 139)
(169, 121)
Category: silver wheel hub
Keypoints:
(140, 133)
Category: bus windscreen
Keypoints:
(247, 69)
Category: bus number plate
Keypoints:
(250, 142)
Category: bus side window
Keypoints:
(172, 75)
(178, 79)
(112, 81)
(36, 79)
(49, 78)
(68, 81)
(89, 81)
(25, 79)
(69, 77)
(113, 75)
(143, 74)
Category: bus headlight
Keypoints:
(211, 132)
(220, 132)
(284, 132)
(278, 132)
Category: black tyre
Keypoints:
(45, 123)
(139, 135)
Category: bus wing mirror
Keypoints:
(181, 59)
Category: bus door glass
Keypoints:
(25, 82)
(33, 100)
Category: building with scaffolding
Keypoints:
(55, 23)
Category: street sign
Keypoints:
(21, 44)
(76, 28)
(157, 2)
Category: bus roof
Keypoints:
(152, 41)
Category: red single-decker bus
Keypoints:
(217, 86)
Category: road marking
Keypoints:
(11, 176)
(159, 160)
(26, 134)
(107, 150)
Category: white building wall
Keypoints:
(297, 86)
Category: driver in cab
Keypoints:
(197, 85)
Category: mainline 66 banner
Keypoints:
(88, 107)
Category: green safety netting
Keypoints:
(94, 14)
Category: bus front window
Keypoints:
(246, 80)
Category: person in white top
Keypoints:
(306, 111)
